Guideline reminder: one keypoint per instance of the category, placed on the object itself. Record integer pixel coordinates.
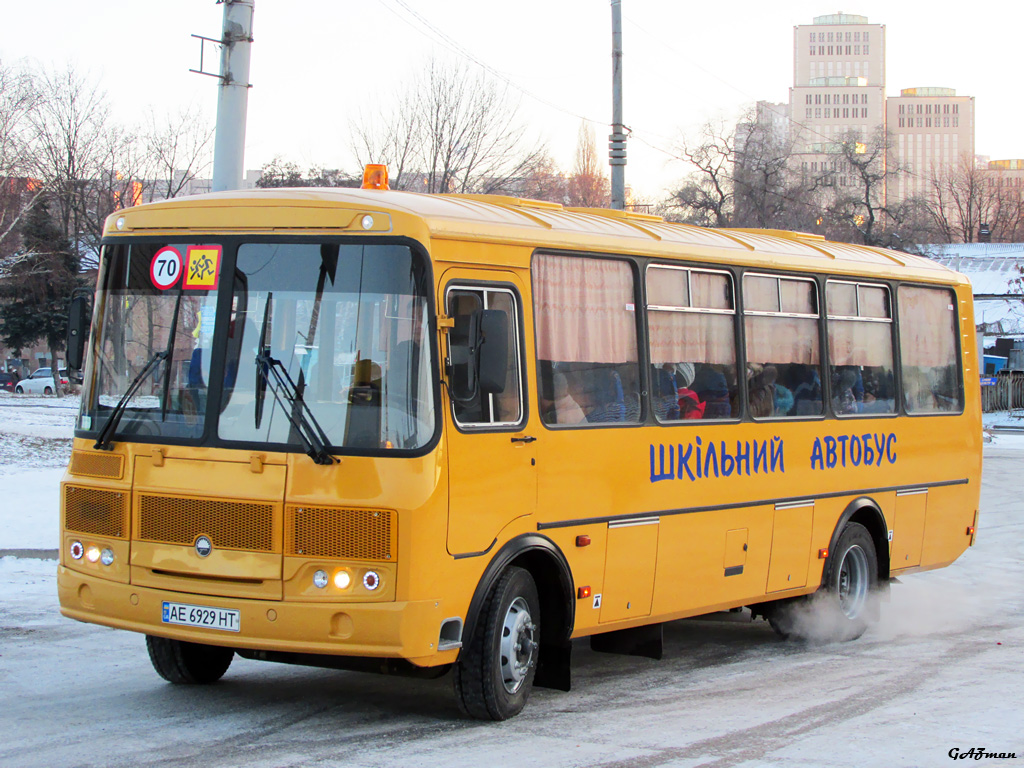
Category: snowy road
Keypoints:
(944, 669)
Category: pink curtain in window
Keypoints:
(781, 340)
(855, 343)
(687, 337)
(927, 326)
(584, 310)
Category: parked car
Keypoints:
(41, 382)
(7, 381)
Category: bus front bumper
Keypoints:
(403, 630)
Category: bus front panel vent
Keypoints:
(339, 532)
(101, 513)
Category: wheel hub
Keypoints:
(518, 645)
(853, 582)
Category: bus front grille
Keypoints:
(89, 464)
(229, 524)
(339, 532)
(102, 513)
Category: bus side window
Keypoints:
(928, 350)
(505, 407)
(783, 350)
(692, 319)
(860, 348)
(585, 316)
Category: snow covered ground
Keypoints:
(943, 669)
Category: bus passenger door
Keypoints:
(491, 455)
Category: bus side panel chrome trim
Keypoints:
(742, 504)
(911, 491)
(794, 504)
(636, 521)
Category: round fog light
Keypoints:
(320, 579)
(77, 550)
(92, 554)
(342, 579)
(107, 556)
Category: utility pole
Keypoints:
(233, 96)
(617, 140)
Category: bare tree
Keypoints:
(860, 210)
(178, 149)
(959, 200)
(71, 144)
(588, 185)
(768, 193)
(706, 195)
(18, 98)
(450, 131)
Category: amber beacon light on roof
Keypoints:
(375, 176)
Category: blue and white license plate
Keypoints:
(202, 616)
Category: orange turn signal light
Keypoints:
(583, 540)
(970, 530)
(375, 176)
(583, 593)
(823, 553)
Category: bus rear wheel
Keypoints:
(494, 674)
(188, 663)
(842, 609)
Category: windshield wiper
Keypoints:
(271, 373)
(103, 439)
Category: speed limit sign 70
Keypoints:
(165, 269)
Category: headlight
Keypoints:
(107, 556)
(320, 579)
(342, 579)
(92, 554)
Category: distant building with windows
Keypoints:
(839, 88)
(932, 128)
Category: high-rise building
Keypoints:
(932, 130)
(838, 90)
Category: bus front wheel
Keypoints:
(188, 663)
(844, 606)
(494, 674)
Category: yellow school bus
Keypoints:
(384, 431)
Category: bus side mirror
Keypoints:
(493, 351)
(78, 328)
(465, 344)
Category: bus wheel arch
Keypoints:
(868, 513)
(549, 570)
(856, 568)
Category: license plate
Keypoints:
(202, 616)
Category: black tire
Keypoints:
(19, 391)
(844, 606)
(494, 674)
(188, 663)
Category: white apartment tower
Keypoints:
(838, 87)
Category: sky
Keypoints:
(316, 64)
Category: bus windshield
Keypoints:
(138, 320)
(348, 324)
